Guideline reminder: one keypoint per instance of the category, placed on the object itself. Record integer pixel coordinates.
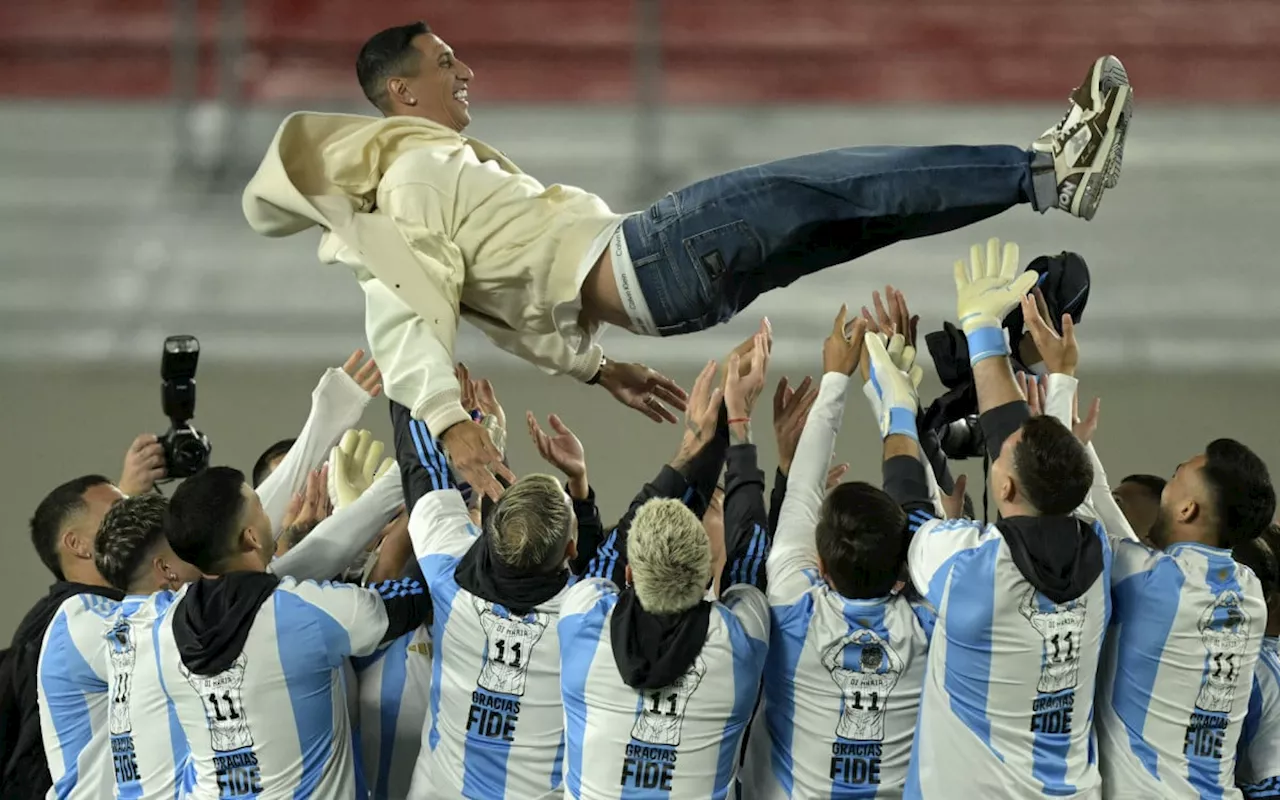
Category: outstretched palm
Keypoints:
(563, 450)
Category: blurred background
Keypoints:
(129, 127)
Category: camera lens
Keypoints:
(189, 455)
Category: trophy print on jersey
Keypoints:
(866, 669)
(1224, 631)
(1061, 629)
(510, 642)
(662, 710)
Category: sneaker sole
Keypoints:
(1113, 85)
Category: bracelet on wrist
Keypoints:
(595, 379)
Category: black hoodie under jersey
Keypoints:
(24, 772)
(213, 618)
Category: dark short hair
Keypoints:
(1259, 554)
(388, 54)
(860, 538)
(1244, 502)
(262, 467)
(52, 514)
(204, 517)
(129, 532)
(1152, 483)
(1053, 468)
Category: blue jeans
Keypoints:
(704, 253)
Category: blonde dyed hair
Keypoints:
(670, 557)
(531, 524)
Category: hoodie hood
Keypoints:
(485, 576)
(322, 168)
(1060, 556)
(213, 618)
(653, 650)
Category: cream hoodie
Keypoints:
(436, 226)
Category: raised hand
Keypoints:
(354, 465)
(309, 508)
(987, 289)
(742, 389)
(1084, 429)
(701, 416)
(899, 403)
(843, 347)
(790, 411)
(1060, 352)
(487, 401)
(643, 389)
(474, 457)
(563, 451)
(366, 375)
(835, 475)
(1034, 391)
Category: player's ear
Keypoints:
(571, 549)
(628, 574)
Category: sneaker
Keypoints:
(1087, 146)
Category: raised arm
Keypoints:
(340, 538)
(563, 450)
(746, 520)
(793, 559)
(337, 403)
(790, 410)
(691, 476)
(987, 289)
(1061, 357)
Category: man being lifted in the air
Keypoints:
(437, 225)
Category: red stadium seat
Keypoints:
(715, 51)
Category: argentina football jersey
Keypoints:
(678, 740)
(1007, 707)
(1258, 760)
(147, 743)
(74, 701)
(393, 687)
(843, 678)
(1178, 671)
(496, 724)
(254, 669)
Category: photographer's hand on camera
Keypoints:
(143, 465)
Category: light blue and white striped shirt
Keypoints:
(1177, 672)
(274, 724)
(678, 741)
(843, 678)
(1258, 761)
(72, 691)
(1007, 707)
(150, 749)
(496, 720)
(393, 687)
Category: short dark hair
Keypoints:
(262, 467)
(860, 538)
(53, 512)
(1259, 554)
(388, 53)
(1244, 502)
(1054, 470)
(1152, 483)
(129, 531)
(204, 517)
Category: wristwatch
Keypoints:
(595, 379)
